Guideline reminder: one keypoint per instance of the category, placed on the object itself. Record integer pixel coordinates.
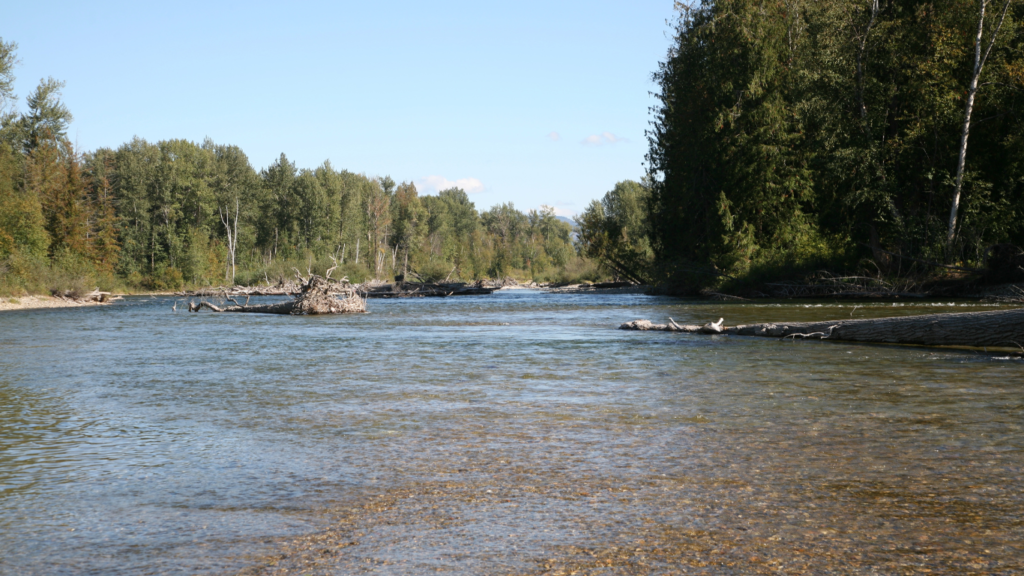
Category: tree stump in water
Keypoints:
(318, 295)
(996, 328)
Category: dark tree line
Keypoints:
(797, 134)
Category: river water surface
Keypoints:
(516, 433)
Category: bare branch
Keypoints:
(332, 268)
(450, 273)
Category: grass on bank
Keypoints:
(25, 275)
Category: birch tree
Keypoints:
(232, 233)
(972, 91)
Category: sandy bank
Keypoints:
(35, 302)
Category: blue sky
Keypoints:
(525, 102)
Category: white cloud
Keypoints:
(602, 138)
(554, 136)
(565, 212)
(438, 183)
(560, 209)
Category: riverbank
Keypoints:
(41, 302)
(379, 289)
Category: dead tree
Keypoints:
(232, 232)
(997, 328)
(317, 295)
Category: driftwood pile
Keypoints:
(997, 328)
(370, 289)
(378, 289)
(95, 296)
(282, 288)
(596, 288)
(423, 290)
(317, 295)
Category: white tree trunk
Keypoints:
(861, 52)
(972, 91)
(232, 234)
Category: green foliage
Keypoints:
(21, 213)
(575, 271)
(47, 119)
(616, 230)
(175, 213)
(795, 134)
(8, 59)
(67, 274)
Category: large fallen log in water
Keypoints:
(996, 328)
(318, 295)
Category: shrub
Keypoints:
(434, 271)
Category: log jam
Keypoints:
(318, 295)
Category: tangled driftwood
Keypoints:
(997, 328)
(317, 295)
(421, 290)
(282, 288)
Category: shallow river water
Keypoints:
(517, 433)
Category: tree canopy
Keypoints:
(803, 133)
(162, 215)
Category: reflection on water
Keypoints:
(517, 432)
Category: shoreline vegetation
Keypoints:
(381, 289)
(174, 215)
(365, 290)
(819, 148)
(1009, 293)
(816, 149)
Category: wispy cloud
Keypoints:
(567, 212)
(554, 136)
(438, 183)
(561, 209)
(602, 138)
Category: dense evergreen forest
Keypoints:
(165, 215)
(798, 135)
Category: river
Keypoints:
(519, 432)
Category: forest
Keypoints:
(790, 139)
(166, 215)
(795, 136)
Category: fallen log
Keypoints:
(317, 295)
(423, 290)
(996, 328)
